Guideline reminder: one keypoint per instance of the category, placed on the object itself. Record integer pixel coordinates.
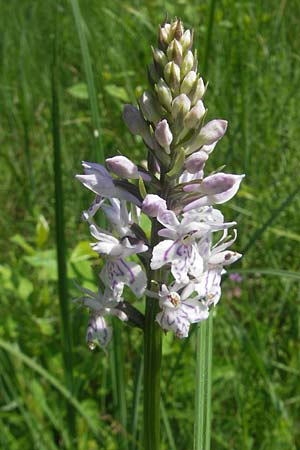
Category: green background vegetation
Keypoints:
(251, 49)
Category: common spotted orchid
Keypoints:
(173, 190)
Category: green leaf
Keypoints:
(21, 242)
(25, 288)
(82, 252)
(146, 224)
(45, 260)
(117, 92)
(79, 90)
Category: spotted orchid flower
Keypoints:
(179, 309)
(215, 258)
(180, 250)
(100, 305)
(98, 179)
(117, 271)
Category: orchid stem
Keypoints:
(152, 367)
(202, 430)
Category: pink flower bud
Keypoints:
(196, 162)
(217, 183)
(224, 258)
(153, 205)
(219, 198)
(134, 120)
(192, 119)
(122, 167)
(163, 135)
(211, 132)
(149, 107)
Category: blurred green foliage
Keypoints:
(254, 75)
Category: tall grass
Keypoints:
(60, 239)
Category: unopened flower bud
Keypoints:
(217, 183)
(163, 135)
(192, 119)
(137, 124)
(164, 36)
(209, 148)
(174, 52)
(180, 104)
(199, 91)
(172, 74)
(188, 82)
(211, 132)
(186, 40)
(177, 29)
(187, 63)
(224, 258)
(217, 198)
(153, 205)
(149, 107)
(122, 167)
(196, 162)
(159, 57)
(153, 74)
(134, 120)
(164, 94)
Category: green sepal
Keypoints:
(142, 187)
(177, 164)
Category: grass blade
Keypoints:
(209, 30)
(33, 365)
(60, 238)
(136, 402)
(80, 26)
(167, 426)
(257, 234)
(295, 276)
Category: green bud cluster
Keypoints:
(172, 107)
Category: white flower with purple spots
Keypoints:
(180, 250)
(98, 179)
(180, 309)
(118, 272)
(100, 305)
(215, 258)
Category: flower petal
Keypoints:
(98, 331)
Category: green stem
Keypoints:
(209, 346)
(152, 364)
(120, 384)
(202, 430)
